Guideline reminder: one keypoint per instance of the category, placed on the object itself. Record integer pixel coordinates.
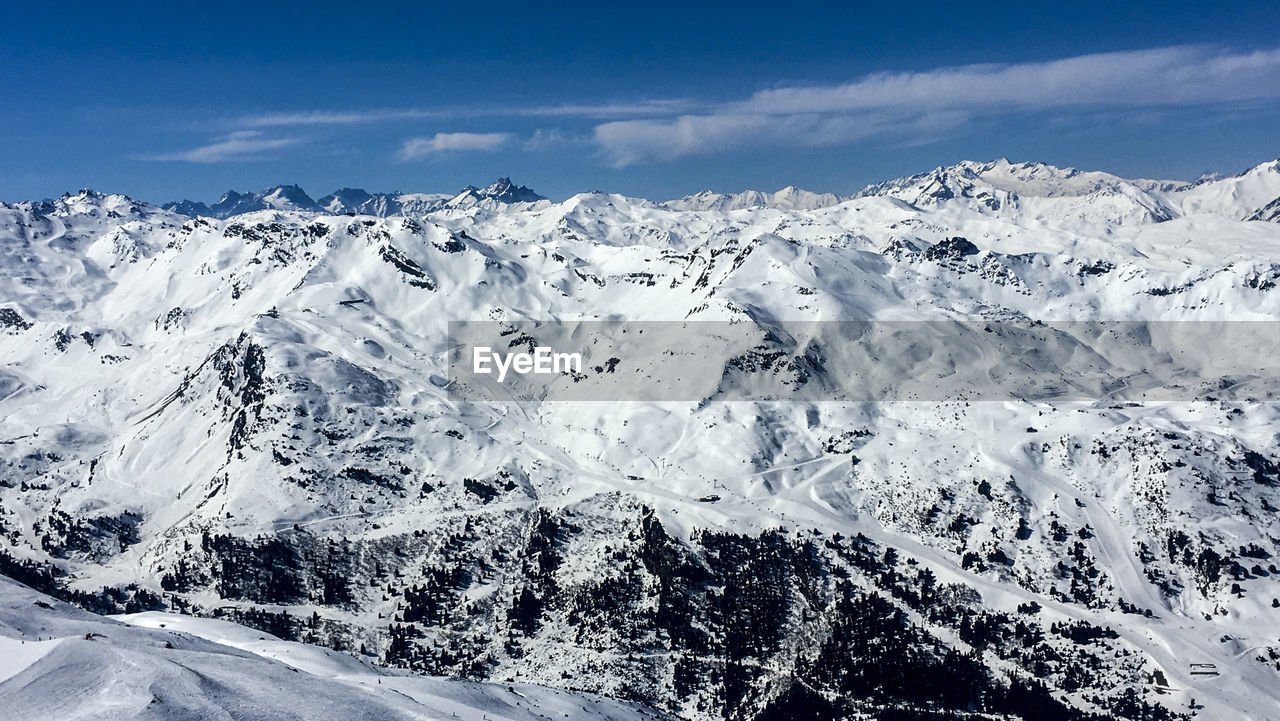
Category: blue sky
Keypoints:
(652, 99)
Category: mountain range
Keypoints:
(247, 417)
(998, 187)
(354, 201)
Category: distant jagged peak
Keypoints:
(355, 195)
(280, 197)
(503, 189)
(189, 208)
(345, 200)
(500, 191)
(293, 198)
(288, 197)
(231, 196)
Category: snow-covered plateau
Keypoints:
(241, 413)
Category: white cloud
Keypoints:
(926, 103)
(243, 145)
(415, 148)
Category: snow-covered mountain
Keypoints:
(251, 417)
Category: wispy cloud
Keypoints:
(599, 111)
(244, 145)
(635, 141)
(903, 108)
(610, 110)
(334, 117)
(1161, 76)
(415, 148)
(545, 139)
(927, 103)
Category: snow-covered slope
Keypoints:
(250, 417)
(58, 662)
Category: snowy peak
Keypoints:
(1031, 179)
(107, 208)
(793, 198)
(1035, 179)
(1034, 190)
(1251, 195)
(288, 197)
(88, 200)
(789, 198)
(1063, 195)
(962, 183)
